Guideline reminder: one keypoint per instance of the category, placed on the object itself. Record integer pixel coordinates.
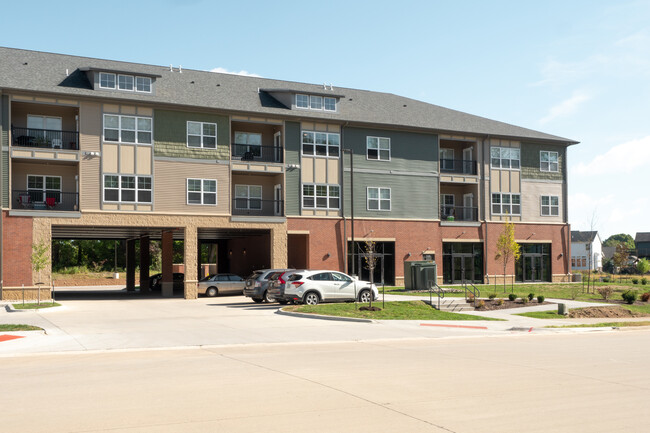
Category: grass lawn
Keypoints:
(551, 314)
(645, 309)
(9, 328)
(402, 310)
(35, 306)
(604, 325)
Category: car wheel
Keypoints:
(311, 298)
(364, 296)
(283, 302)
(257, 300)
(212, 292)
(268, 298)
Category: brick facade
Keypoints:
(17, 250)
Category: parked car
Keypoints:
(311, 287)
(221, 284)
(155, 281)
(257, 284)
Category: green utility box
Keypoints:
(417, 274)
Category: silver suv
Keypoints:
(312, 287)
(258, 282)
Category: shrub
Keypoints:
(524, 300)
(644, 281)
(629, 296)
(635, 281)
(643, 266)
(499, 301)
(605, 279)
(492, 296)
(645, 297)
(540, 299)
(605, 292)
(512, 297)
(531, 296)
(480, 304)
(470, 297)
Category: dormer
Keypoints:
(323, 101)
(121, 81)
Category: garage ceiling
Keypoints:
(118, 232)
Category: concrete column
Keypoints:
(145, 262)
(279, 247)
(191, 262)
(130, 265)
(167, 263)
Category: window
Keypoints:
(127, 189)
(378, 198)
(320, 196)
(143, 84)
(315, 102)
(550, 205)
(248, 143)
(202, 191)
(505, 157)
(573, 262)
(447, 202)
(201, 134)
(378, 148)
(548, 161)
(320, 144)
(584, 261)
(446, 159)
(106, 80)
(248, 197)
(125, 82)
(41, 188)
(506, 204)
(127, 129)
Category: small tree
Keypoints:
(620, 256)
(370, 259)
(507, 248)
(40, 259)
(643, 266)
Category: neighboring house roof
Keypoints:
(642, 237)
(578, 236)
(608, 252)
(36, 71)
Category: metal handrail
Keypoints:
(473, 290)
(439, 292)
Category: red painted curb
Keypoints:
(9, 337)
(454, 326)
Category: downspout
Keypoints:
(485, 210)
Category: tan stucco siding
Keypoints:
(90, 131)
(531, 197)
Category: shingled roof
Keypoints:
(23, 70)
(642, 237)
(578, 236)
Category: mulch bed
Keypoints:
(494, 304)
(613, 312)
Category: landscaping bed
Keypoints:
(493, 304)
(604, 312)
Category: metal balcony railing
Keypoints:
(249, 152)
(459, 166)
(257, 207)
(38, 199)
(45, 138)
(458, 213)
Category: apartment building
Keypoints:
(270, 173)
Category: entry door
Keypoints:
(532, 268)
(467, 160)
(463, 268)
(277, 197)
(277, 147)
(468, 205)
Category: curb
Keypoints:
(322, 317)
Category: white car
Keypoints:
(312, 287)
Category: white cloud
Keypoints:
(221, 70)
(620, 159)
(566, 107)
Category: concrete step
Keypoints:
(454, 305)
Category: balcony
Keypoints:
(458, 213)
(44, 200)
(45, 138)
(458, 166)
(255, 153)
(257, 207)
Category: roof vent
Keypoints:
(25, 64)
(171, 68)
(180, 69)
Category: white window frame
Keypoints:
(448, 208)
(120, 129)
(379, 199)
(44, 189)
(136, 189)
(380, 140)
(550, 206)
(503, 156)
(329, 188)
(307, 103)
(303, 106)
(145, 79)
(329, 99)
(248, 197)
(238, 150)
(202, 136)
(505, 208)
(107, 74)
(126, 77)
(548, 165)
(328, 146)
(202, 193)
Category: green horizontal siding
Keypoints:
(292, 156)
(412, 197)
(410, 151)
(170, 135)
(530, 160)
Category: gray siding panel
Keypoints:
(4, 142)
(530, 161)
(292, 155)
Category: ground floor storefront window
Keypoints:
(384, 265)
(462, 262)
(534, 264)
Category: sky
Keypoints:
(577, 69)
